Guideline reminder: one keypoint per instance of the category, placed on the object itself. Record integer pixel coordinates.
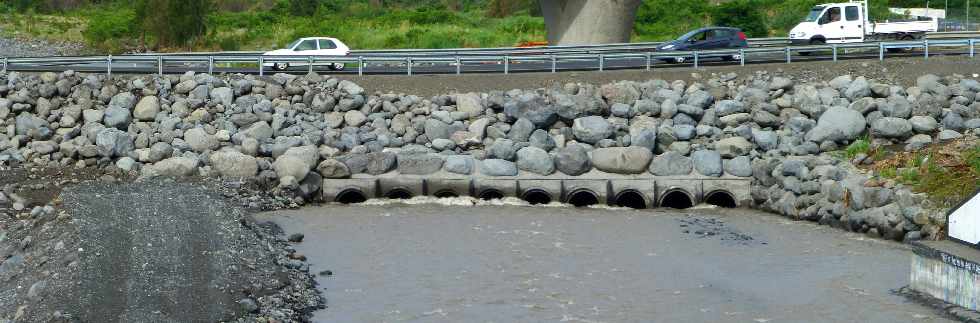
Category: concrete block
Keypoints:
(486, 188)
(737, 189)
(539, 191)
(628, 189)
(667, 190)
(600, 189)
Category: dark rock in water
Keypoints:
(296, 237)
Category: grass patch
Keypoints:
(948, 173)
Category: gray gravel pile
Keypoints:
(289, 133)
(23, 47)
(148, 252)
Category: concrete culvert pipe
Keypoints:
(676, 199)
(399, 194)
(491, 194)
(536, 197)
(631, 199)
(351, 196)
(722, 199)
(446, 194)
(582, 198)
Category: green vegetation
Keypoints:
(116, 25)
(947, 174)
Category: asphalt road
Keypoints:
(432, 263)
(519, 65)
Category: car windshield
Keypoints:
(293, 44)
(814, 14)
(688, 35)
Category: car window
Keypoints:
(327, 44)
(701, 36)
(306, 45)
(852, 13)
(832, 15)
(293, 44)
(719, 34)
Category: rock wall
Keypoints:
(292, 133)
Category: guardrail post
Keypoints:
(741, 57)
(5, 62)
(925, 43)
(789, 55)
(210, 65)
(554, 64)
(881, 51)
(360, 65)
(602, 62)
(649, 60)
(409, 64)
(459, 66)
(108, 72)
(834, 48)
(309, 60)
(506, 64)
(697, 58)
(261, 66)
(160, 65)
(972, 48)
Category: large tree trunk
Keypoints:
(574, 22)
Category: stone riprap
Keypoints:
(293, 133)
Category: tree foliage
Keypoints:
(744, 14)
(172, 22)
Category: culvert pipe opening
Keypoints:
(721, 199)
(631, 199)
(676, 200)
(582, 198)
(491, 194)
(351, 196)
(446, 194)
(536, 197)
(399, 194)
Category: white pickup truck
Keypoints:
(838, 23)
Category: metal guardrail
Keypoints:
(649, 58)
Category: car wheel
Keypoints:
(280, 66)
(732, 57)
(337, 66)
(679, 60)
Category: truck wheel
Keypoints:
(906, 49)
(813, 42)
(280, 66)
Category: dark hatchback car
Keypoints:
(709, 38)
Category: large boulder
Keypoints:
(671, 164)
(333, 169)
(469, 103)
(172, 167)
(573, 160)
(230, 163)
(291, 165)
(199, 140)
(740, 166)
(381, 162)
(498, 167)
(622, 160)
(707, 162)
(147, 108)
(459, 164)
(889, 127)
(924, 124)
(112, 142)
(838, 124)
(591, 129)
(419, 164)
(435, 129)
(535, 160)
(733, 147)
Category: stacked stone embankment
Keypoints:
(295, 133)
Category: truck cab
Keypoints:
(832, 23)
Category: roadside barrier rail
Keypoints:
(470, 63)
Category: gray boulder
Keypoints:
(924, 124)
(739, 166)
(707, 162)
(838, 124)
(172, 167)
(112, 142)
(671, 164)
(199, 140)
(521, 130)
(502, 149)
(498, 167)
(333, 169)
(591, 129)
(117, 117)
(147, 108)
(435, 129)
(733, 147)
(459, 164)
(291, 165)
(728, 107)
(573, 160)
(419, 164)
(233, 164)
(380, 162)
(535, 160)
(889, 127)
(622, 160)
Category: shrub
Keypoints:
(108, 25)
(744, 14)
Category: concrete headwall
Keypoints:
(576, 22)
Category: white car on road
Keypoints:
(310, 46)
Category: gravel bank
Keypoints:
(22, 47)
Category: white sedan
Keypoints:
(310, 46)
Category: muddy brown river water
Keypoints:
(437, 263)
